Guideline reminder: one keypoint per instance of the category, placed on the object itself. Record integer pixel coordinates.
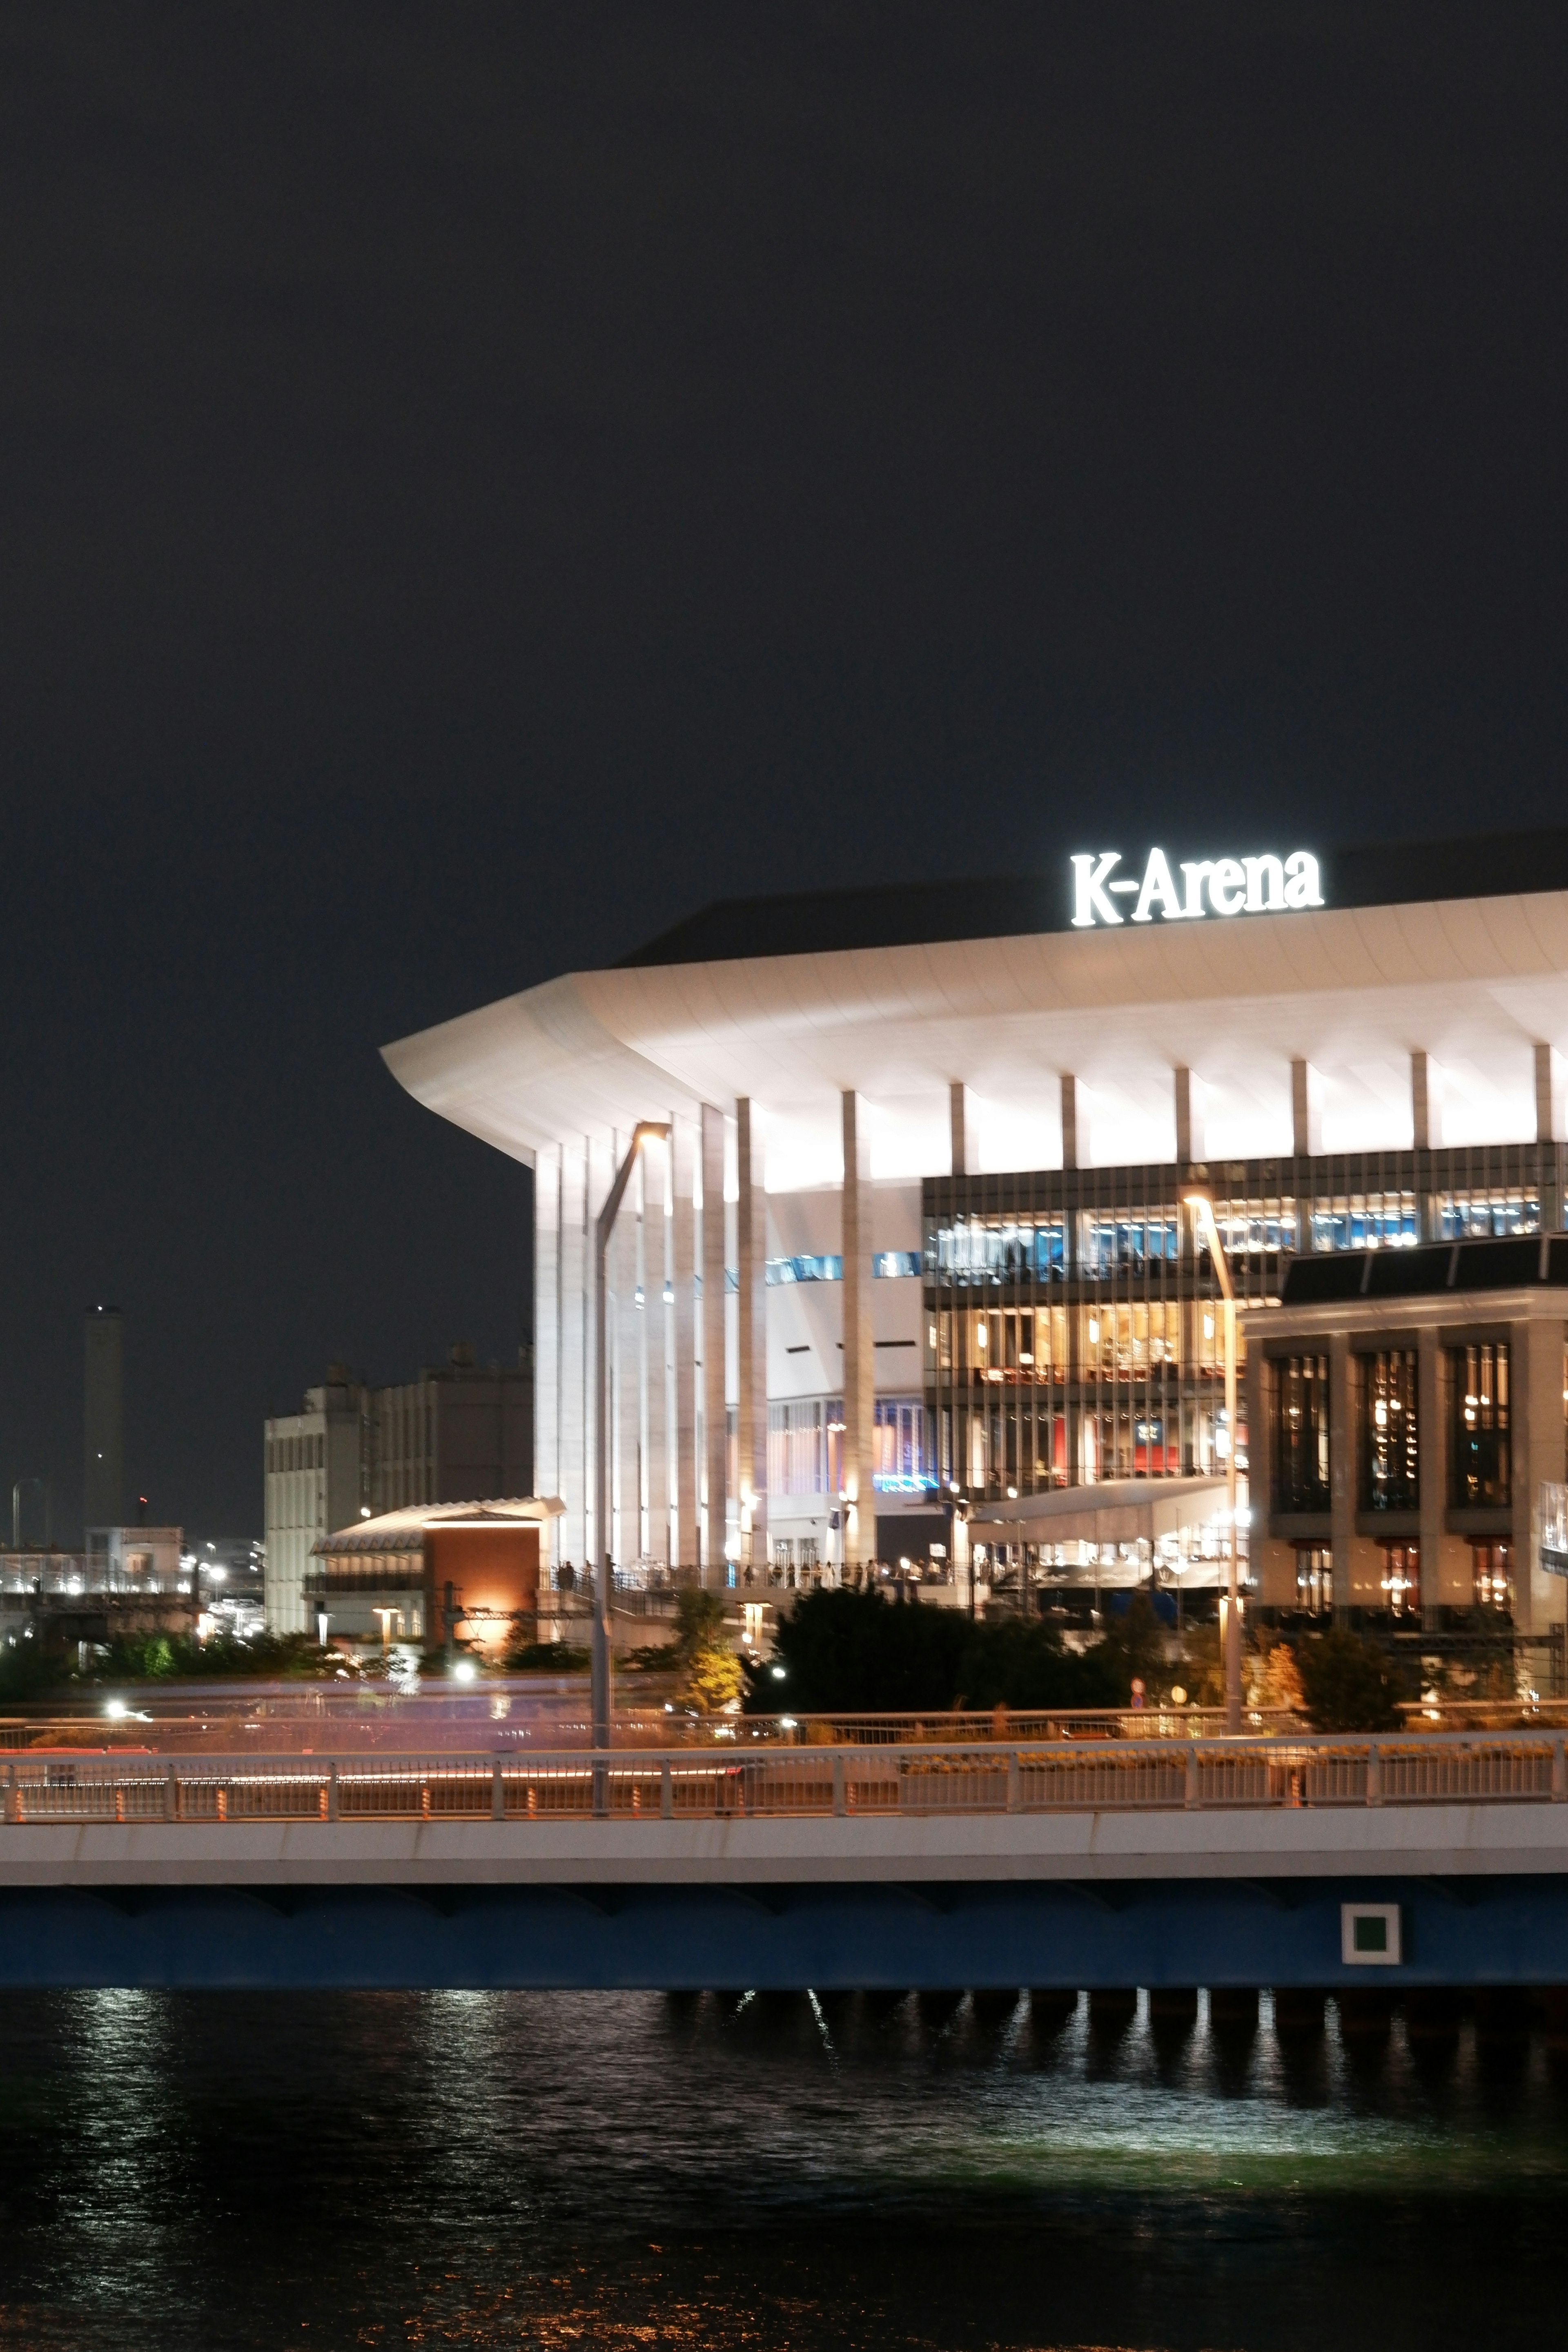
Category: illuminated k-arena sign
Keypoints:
(1208, 886)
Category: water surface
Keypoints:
(209, 2170)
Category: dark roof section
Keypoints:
(1325, 1281)
(816, 922)
(1520, 1263)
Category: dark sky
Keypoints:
(477, 482)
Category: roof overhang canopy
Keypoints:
(1475, 984)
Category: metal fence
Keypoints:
(554, 1716)
(970, 1779)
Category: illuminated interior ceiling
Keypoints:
(1476, 984)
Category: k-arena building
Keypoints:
(913, 1280)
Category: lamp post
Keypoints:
(1204, 1224)
(644, 1132)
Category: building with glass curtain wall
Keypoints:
(916, 1262)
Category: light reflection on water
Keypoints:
(508, 2169)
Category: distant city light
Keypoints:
(115, 1709)
(465, 1670)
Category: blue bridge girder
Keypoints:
(985, 1865)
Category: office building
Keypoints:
(460, 1430)
(916, 1258)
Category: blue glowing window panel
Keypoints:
(1251, 1232)
(1472, 1216)
(1106, 1244)
(972, 1252)
(784, 1270)
(1390, 1225)
(901, 1466)
(893, 1266)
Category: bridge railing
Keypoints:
(971, 1779)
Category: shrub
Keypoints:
(547, 1658)
(28, 1670)
(157, 1657)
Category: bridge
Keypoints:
(1415, 1860)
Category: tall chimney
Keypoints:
(103, 1421)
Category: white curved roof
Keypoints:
(1475, 983)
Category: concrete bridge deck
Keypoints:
(1074, 1864)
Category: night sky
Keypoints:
(477, 482)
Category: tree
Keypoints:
(1274, 1678)
(1347, 1683)
(714, 1678)
(699, 1622)
(1133, 1649)
(854, 1653)
(1019, 1663)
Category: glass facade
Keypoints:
(1401, 1577)
(1479, 1468)
(1314, 1580)
(1358, 1221)
(1390, 1433)
(886, 1265)
(1482, 1216)
(782, 1270)
(1493, 1569)
(1073, 1332)
(900, 1465)
(806, 1446)
(1299, 1390)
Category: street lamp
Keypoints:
(1204, 1226)
(646, 1131)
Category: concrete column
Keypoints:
(715, 1430)
(1189, 1118)
(1432, 1439)
(547, 1327)
(1536, 1381)
(859, 1341)
(752, 1416)
(625, 1324)
(1305, 1110)
(657, 1273)
(599, 1162)
(1071, 1139)
(1549, 1118)
(684, 1243)
(572, 1458)
(1271, 1565)
(965, 1158)
(1358, 1581)
(1425, 1101)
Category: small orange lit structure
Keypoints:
(387, 1580)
